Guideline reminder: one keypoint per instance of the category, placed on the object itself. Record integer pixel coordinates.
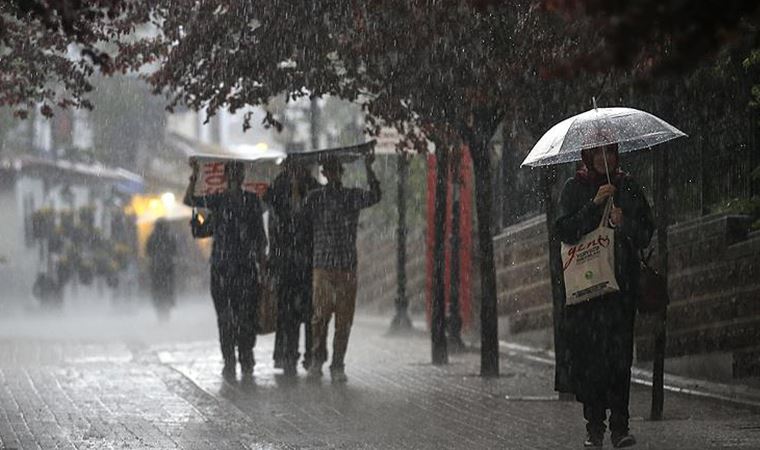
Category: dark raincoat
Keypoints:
(291, 264)
(161, 249)
(599, 332)
(236, 223)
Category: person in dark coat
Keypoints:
(237, 226)
(600, 331)
(291, 263)
(161, 249)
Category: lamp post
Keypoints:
(401, 321)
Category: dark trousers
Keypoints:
(293, 309)
(617, 402)
(234, 291)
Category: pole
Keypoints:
(662, 208)
(455, 318)
(401, 321)
(438, 331)
(314, 122)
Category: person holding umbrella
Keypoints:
(599, 206)
(600, 331)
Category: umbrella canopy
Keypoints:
(630, 128)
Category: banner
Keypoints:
(211, 178)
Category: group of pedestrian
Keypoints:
(311, 261)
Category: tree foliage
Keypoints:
(467, 54)
(658, 37)
(49, 50)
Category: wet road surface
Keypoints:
(130, 382)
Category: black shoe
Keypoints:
(246, 369)
(228, 372)
(623, 440)
(594, 441)
(338, 375)
(314, 373)
(290, 369)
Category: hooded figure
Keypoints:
(599, 332)
(236, 223)
(161, 249)
(291, 262)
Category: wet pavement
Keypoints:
(132, 383)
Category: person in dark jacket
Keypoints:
(291, 263)
(161, 249)
(236, 224)
(600, 331)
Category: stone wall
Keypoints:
(714, 283)
(715, 290)
(521, 255)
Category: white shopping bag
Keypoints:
(589, 265)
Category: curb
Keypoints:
(734, 394)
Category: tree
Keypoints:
(438, 70)
(444, 70)
(465, 55)
(659, 36)
(51, 49)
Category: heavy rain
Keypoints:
(386, 224)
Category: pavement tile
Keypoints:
(143, 395)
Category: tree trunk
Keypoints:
(489, 326)
(438, 331)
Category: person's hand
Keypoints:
(604, 193)
(195, 169)
(616, 216)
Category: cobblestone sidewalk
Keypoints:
(135, 394)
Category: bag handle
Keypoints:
(644, 258)
(606, 214)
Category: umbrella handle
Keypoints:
(607, 172)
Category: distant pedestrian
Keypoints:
(334, 211)
(290, 262)
(600, 331)
(161, 249)
(237, 226)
